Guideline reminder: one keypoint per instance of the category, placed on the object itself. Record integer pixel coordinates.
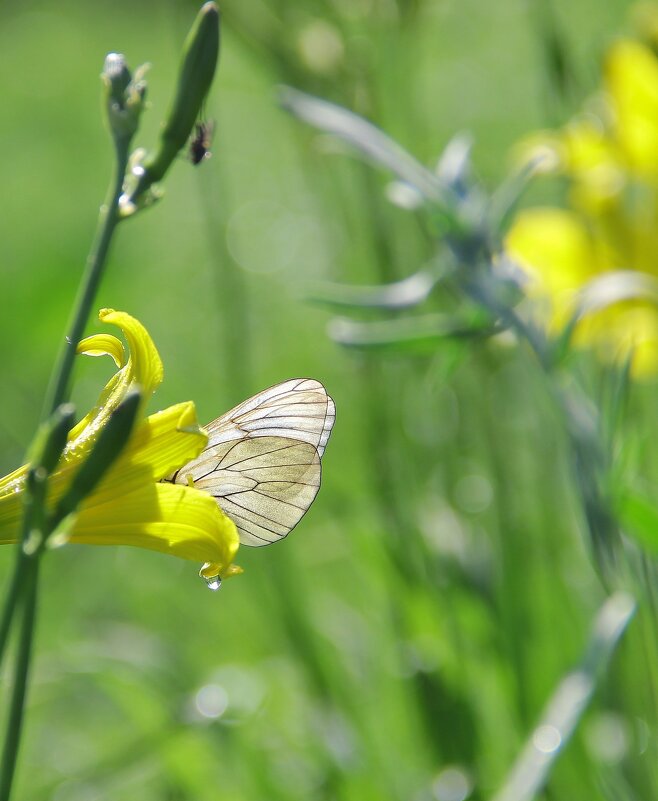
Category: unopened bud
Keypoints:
(200, 55)
(50, 442)
(124, 95)
(111, 441)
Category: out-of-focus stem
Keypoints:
(14, 724)
(22, 593)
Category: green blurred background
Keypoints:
(402, 642)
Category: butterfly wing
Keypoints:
(262, 461)
(297, 409)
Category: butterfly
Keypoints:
(262, 460)
(200, 142)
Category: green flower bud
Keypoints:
(116, 76)
(111, 441)
(51, 441)
(124, 95)
(200, 55)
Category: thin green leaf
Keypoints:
(454, 167)
(567, 704)
(422, 333)
(505, 198)
(639, 515)
(366, 138)
(403, 294)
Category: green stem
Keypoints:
(11, 601)
(23, 586)
(33, 503)
(569, 701)
(601, 523)
(15, 721)
(109, 218)
(58, 389)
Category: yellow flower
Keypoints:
(130, 505)
(560, 256)
(610, 156)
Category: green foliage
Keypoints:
(405, 639)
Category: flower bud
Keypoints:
(51, 441)
(200, 54)
(111, 441)
(124, 95)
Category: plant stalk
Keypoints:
(15, 721)
(22, 592)
(59, 388)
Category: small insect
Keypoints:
(200, 142)
(262, 461)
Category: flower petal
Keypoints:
(627, 329)
(131, 507)
(608, 153)
(164, 442)
(554, 247)
(170, 518)
(145, 363)
(631, 77)
(103, 345)
(161, 444)
(143, 367)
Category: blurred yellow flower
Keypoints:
(130, 506)
(610, 156)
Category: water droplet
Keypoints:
(126, 206)
(214, 583)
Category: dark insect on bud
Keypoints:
(199, 147)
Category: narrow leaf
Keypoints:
(403, 294)
(366, 138)
(420, 333)
(567, 704)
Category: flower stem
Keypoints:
(13, 594)
(602, 525)
(22, 592)
(109, 218)
(18, 584)
(15, 721)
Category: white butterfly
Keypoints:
(262, 461)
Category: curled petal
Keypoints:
(103, 345)
(144, 362)
(143, 367)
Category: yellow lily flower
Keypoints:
(610, 156)
(130, 505)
